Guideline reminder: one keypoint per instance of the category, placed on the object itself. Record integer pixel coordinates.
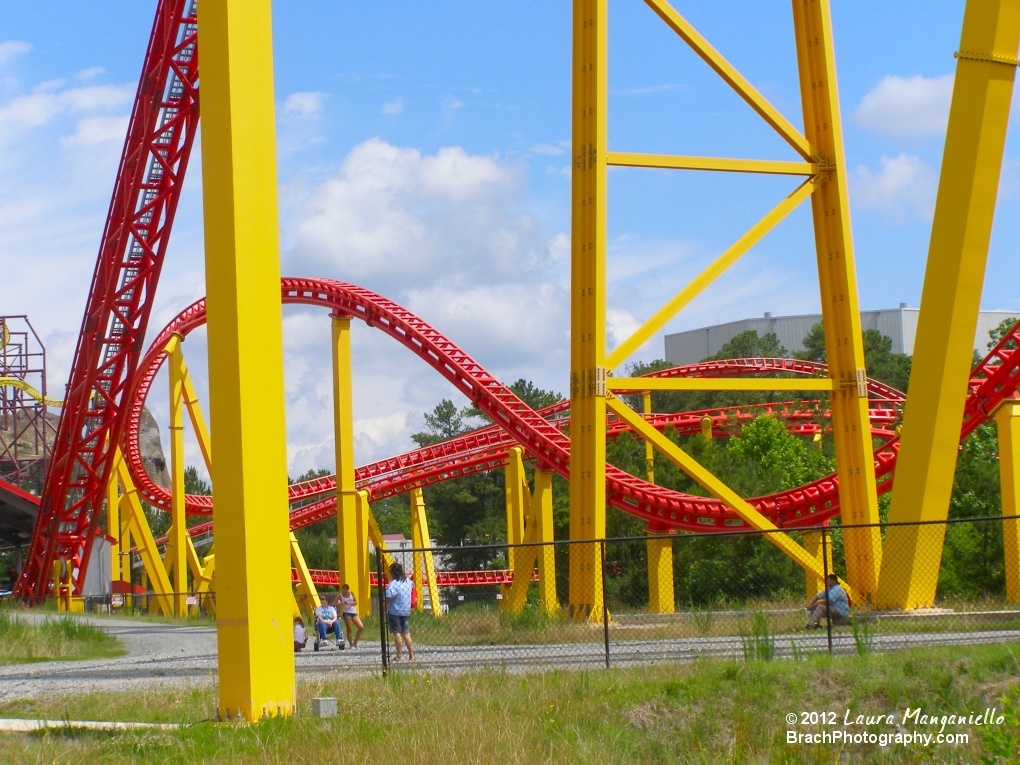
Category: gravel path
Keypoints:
(158, 653)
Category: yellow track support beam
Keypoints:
(661, 597)
(813, 583)
(588, 309)
(131, 509)
(306, 596)
(349, 526)
(830, 209)
(516, 487)
(538, 532)
(175, 559)
(245, 330)
(706, 427)
(950, 300)
(364, 565)
(664, 162)
(423, 563)
(375, 535)
(1007, 419)
(717, 488)
(626, 384)
(117, 527)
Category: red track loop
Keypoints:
(516, 423)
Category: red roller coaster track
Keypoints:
(160, 135)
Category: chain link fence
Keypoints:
(729, 595)
(638, 600)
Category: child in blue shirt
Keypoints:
(398, 609)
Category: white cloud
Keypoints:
(392, 218)
(396, 106)
(304, 106)
(96, 130)
(904, 184)
(33, 110)
(11, 49)
(907, 106)
(548, 149)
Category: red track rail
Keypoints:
(160, 135)
(541, 438)
(328, 578)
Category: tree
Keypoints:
(814, 344)
(749, 345)
(195, 484)
(534, 396)
(1000, 331)
(884, 365)
(446, 421)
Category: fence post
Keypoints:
(825, 587)
(384, 644)
(605, 604)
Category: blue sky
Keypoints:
(422, 152)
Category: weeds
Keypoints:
(704, 616)
(759, 642)
(22, 640)
(864, 634)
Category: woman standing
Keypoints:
(349, 613)
(398, 609)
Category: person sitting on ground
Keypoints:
(835, 596)
(349, 613)
(326, 621)
(398, 609)
(300, 634)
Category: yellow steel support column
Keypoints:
(175, 559)
(950, 300)
(113, 528)
(1007, 418)
(588, 308)
(348, 540)
(516, 487)
(245, 328)
(423, 563)
(813, 583)
(830, 207)
(661, 598)
(706, 428)
(539, 531)
(306, 596)
(138, 528)
(364, 565)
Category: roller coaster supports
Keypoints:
(364, 534)
(117, 527)
(176, 551)
(516, 485)
(950, 300)
(813, 544)
(375, 535)
(138, 526)
(245, 329)
(349, 525)
(661, 598)
(588, 309)
(1007, 418)
(718, 489)
(830, 207)
(539, 537)
(422, 562)
(306, 597)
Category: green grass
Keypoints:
(63, 638)
(704, 712)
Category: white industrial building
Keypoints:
(899, 324)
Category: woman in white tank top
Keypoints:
(348, 605)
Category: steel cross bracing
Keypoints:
(161, 132)
(995, 379)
